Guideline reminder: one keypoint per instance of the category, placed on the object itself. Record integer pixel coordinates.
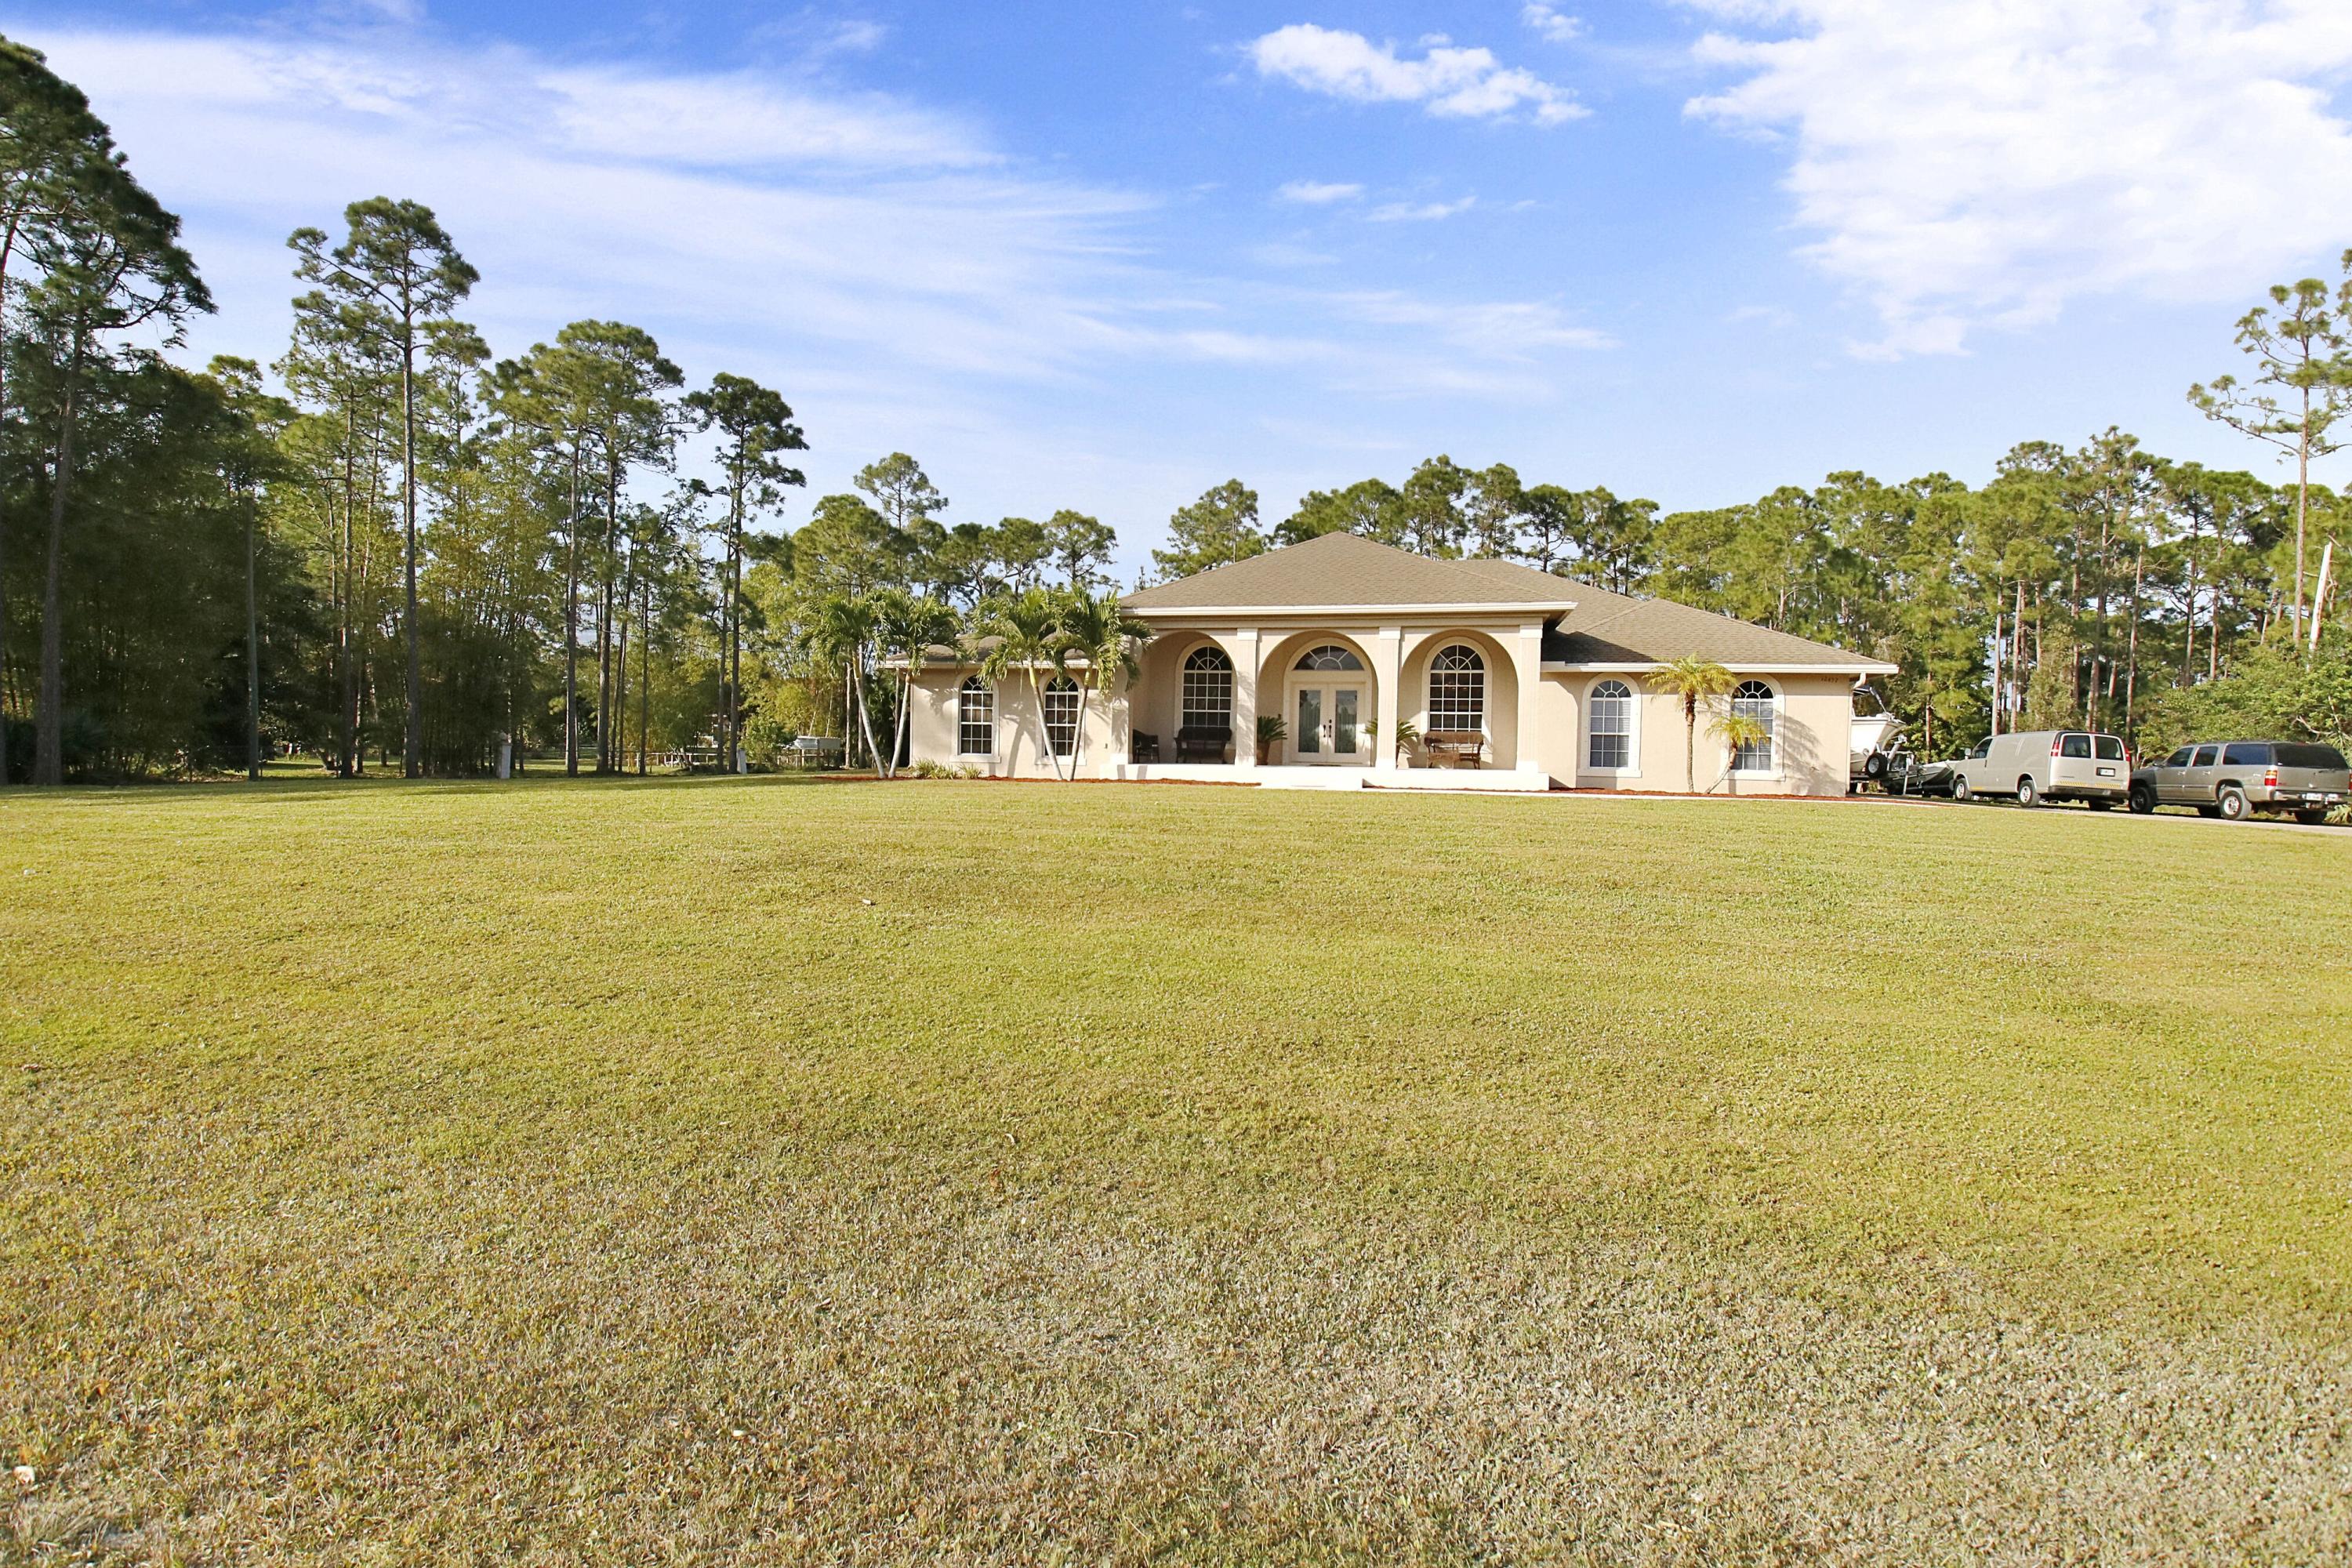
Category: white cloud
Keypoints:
(1553, 25)
(1983, 162)
(1309, 193)
(908, 284)
(1420, 212)
(1446, 80)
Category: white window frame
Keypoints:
(1045, 716)
(1485, 689)
(973, 685)
(1185, 678)
(1633, 766)
(1778, 713)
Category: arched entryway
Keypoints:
(1330, 703)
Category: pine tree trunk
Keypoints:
(252, 648)
(412, 763)
(48, 714)
(644, 668)
(571, 627)
(2131, 677)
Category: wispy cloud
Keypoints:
(1311, 194)
(907, 281)
(1420, 212)
(1446, 80)
(1982, 164)
(1550, 24)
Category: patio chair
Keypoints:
(1146, 748)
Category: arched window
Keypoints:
(1754, 699)
(1208, 689)
(1458, 690)
(1062, 715)
(975, 719)
(1612, 726)
(1330, 655)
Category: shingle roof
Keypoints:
(1611, 628)
(1344, 569)
(1603, 627)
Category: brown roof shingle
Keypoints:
(1343, 569)
(1602, 628)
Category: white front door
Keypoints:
(1327, 723)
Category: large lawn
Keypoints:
(765, 1171)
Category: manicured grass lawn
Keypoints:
(719, 1170)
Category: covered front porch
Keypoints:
(1340, 697)
(1280, 776)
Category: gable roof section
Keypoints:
(1342, 569)
(1609, 628)
(1599, 629)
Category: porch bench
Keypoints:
(1202, 744)
(1457, 748)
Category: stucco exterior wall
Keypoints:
(1811, 722)
(1809, 751)
(934, 721)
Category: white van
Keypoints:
(2037, 766)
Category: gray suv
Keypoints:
(2235, 779)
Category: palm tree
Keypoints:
(1695, 681)
(840, 633)
(1028, 633)
(906, 628)
(1739, 732)
(1097, 631)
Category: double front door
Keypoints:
(1327, 722)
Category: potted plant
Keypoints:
(1270, 729)
(1407, 736)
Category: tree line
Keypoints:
(393, 548)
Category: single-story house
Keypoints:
(1513, 679)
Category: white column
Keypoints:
(1388, 669)
(1242, 648)
(1526, 662)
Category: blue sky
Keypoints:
(1105, 257)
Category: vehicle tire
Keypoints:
(1874, 766)
(2029, 794)
(2233, 806)
(1961, 793)
(2143, 800)
(2312, 818)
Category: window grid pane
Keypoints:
(1612, 725)
(1062, 715)
(1754, 701)
(1208, 702)
(976, 719)
(1457, 690)
(1330, 655)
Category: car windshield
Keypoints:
(2306, 757)
(2111, 749)
(2073, 745)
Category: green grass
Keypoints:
(722, 1170)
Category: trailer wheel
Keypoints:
(1874, 766)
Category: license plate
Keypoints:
(2107, 772)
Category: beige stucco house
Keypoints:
(1515, 679)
